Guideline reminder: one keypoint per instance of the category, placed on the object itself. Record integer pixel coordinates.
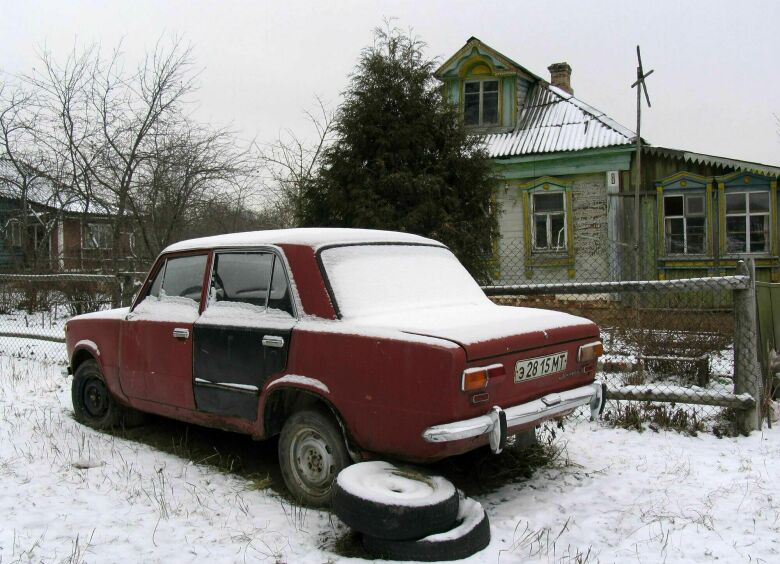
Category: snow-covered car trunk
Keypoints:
(488, 330)
(424, 290)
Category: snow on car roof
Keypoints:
(313, 236)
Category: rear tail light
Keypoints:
(589, 352)
(475, 379)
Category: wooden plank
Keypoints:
(695, 397)
(737, 282)
(57, 278)
(50, 338)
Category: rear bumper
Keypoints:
(499, 422)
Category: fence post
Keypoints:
(747, 372)
(124, 282)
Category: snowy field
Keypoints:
(70, 494)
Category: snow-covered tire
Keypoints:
(93, 404)
(470, 535)
(312, 452)
(394, 502)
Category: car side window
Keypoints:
(279, 299)
(154, 289)
(249, 280)
(183, 277)
(242, 277)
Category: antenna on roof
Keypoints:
(640, 86)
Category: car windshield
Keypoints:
(375, 279)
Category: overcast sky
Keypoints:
(714, 90)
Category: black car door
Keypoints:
(243, 336)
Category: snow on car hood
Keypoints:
(488, 329)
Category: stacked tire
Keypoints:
(404, 513)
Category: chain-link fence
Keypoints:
(680, 337)
(681, 344)
(35, 307)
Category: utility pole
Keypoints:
(640, 86)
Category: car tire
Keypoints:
(93, 404)
(312, 452)
(394, 502)
(470, 535)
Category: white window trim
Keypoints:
(747, 215)
(685, 217)
(565, 243)
(481, 81)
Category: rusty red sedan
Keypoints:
(348, 344)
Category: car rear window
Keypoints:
(373, 279)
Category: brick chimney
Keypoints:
(560, 76)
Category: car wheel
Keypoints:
(93, 404)
(312, 452)
(394, 502)
(470, 535)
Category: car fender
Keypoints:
(318, 392)
(90, 346)
(87, 346)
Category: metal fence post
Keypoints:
(747, 372)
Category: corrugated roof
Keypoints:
(551, 121)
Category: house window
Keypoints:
(549, 221)
(685, 224)
(480, 102)
(97, 236)
(13, 232)
(747, 222)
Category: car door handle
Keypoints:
(273, 341)
(180, 333)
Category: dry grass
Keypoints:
(481, 472)
(639, 416)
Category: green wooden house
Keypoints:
(567, 183)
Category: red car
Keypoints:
(349, 344)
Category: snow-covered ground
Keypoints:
(70, 494)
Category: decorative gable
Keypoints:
(484, 85)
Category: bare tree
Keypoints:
(188, 170)
(20, 171)
(290, 162)
(122, 144)
(98, 120)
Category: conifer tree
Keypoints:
(401, 159)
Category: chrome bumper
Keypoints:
(497, 422)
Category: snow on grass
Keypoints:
(654, 497)
(50, 323)
(76, 495)
(68, 489)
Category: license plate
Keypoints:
(540, 366)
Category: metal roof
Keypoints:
(552, 120)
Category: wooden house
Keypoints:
(568, 177)
(43, 238)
